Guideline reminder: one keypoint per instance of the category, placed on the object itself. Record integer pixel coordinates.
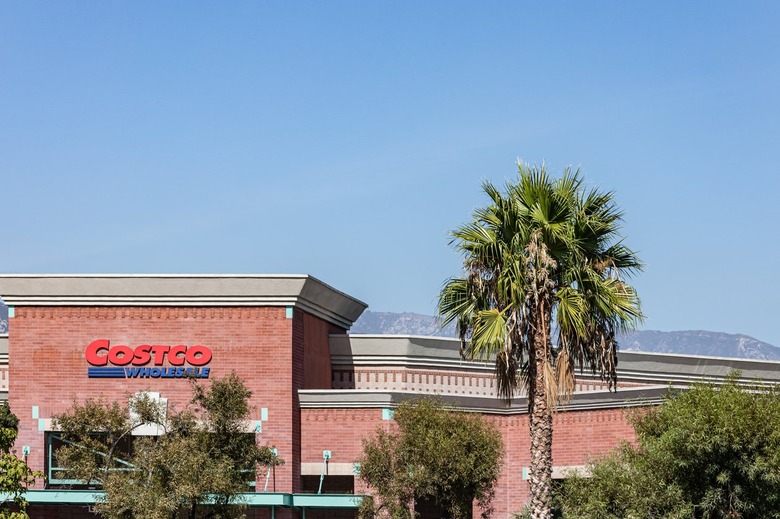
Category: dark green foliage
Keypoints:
(195, 469)
(710, 452)
(450, 457)
(99, 432)
(9, 425)
(15, 475)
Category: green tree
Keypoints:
(544, 257)
(449, 457)
(195, 469)
(15, 476)
(706, 453)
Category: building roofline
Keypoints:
(170, 290)
(397, 336)
(443, 353)
(694, 356)
(584, 401)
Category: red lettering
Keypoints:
(121, 355)
(92, 352)
(141, 356)
(194, 359)
(114, 355)
(159, 351)
(176, 355)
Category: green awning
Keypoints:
(251, 499)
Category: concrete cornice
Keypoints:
(302, 291)
(401, 351)
(591, 400)
(675, 368)
(413, 362)
(438, 353)
(398, 351)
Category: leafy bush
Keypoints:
(451, 458)
(708, 452)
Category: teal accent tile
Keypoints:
(264, 414)
(41, 424)
(387, 413)
(525, 473)
(258, 426)
(11, 311)
(288, 312)
(35, 412)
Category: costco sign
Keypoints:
(146, 360)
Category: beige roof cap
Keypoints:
(302, 291)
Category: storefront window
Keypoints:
(56, 473)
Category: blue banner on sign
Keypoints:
(106, 372)
(167, 372)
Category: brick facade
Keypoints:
(275, 356)
(577, 437)
(314, 388)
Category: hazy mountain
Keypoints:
(700, 342)
(390, 323)
(695, 342)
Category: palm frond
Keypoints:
(566, 382)
(543, 245)
(550, 385)
(489, 335)
(454, 300)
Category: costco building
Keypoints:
(316, 390)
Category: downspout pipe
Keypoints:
(326, 455)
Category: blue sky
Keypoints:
(345, 139)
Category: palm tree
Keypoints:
(543, 259)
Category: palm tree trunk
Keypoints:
(540, 419)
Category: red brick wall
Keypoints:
(316, 352)
(48, 369)
(339, 430)
(297, 371)
(577, 436)
(276, 356)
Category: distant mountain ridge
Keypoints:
(391, 323)
(690, 342)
